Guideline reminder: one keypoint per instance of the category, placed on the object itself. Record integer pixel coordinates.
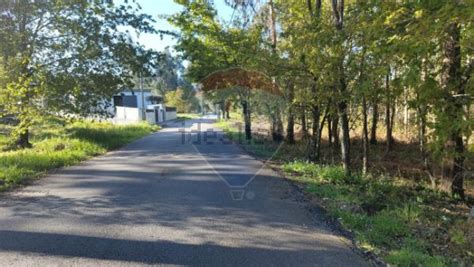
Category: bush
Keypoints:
(411, 257)
(328, 173)
(386, 228)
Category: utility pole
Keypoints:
(143, 97)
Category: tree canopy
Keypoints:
(66, 57)
(346, 63)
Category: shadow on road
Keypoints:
(151, 252)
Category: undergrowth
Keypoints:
(403, 223)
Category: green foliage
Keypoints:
(188, 116)
(62, 57)
(350, 220)
(183, 99)
(258, 146)
(409, 212)
(383, 215)
(382, 52)
(409, 257)
(107, 135)
(386, 228)
(330, 173)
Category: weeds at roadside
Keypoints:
(389, 218)
(58, 144)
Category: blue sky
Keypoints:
(168, 7)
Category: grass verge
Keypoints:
(405, 224)
(57, 144)
(259, 146)
(187, 116)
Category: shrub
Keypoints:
(385, 228)
(410, 257)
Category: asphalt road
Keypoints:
(162, 201)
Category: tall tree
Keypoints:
(341, 85)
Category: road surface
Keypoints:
(162, 201)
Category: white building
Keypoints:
(135, 106)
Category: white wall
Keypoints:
(150, 117)
(110, 104)
(125, 115)
(171, 115)
(128, 115)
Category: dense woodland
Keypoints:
(354, 68)
(365, 105)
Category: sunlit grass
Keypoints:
(258, 146)
(187, 116)
(61, 144)
(385, 216)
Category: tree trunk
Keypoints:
(453, 165)
(329, 129)
(406, 113)
(388, 125)
(388, 115)
(422, 111)
(247, 120)
(393, 112)
(24, 139)
(338, 12)
(290, 127)
(335, 135)
(365, 137)
(23, 126)
(345, 137)
(277, 126)
(223, 110)
(422, 131)
(316, 136)
(277, 122)
(227, 110)
(375, 118)
(304, 126)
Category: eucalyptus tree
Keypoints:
(166, 72)
(337, 60)
(211, 46)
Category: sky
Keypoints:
(168, 7)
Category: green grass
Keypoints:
(57, 144)
(4, 138)
(187, 116)
(388, 217)
(258, 146)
